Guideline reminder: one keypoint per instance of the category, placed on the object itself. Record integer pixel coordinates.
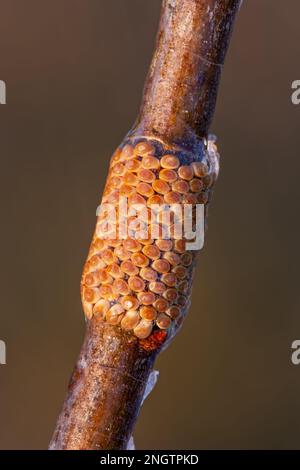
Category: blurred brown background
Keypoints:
(74, 71)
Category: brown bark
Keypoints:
(108, 382)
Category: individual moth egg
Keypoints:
(115, 271)
(115, 182)
(196, 185)
(136, 200)
(173, 312)
(130, 320)
(91, 294)
(127, 152)
(155, 200)
(120, 287)
(106, 291)
(170, 162)
(150, 163)
(127, 190)
(162, 266)
(144, 148)
(122, 253)
(146, 298)
(147, 176)
(136, 284)
(148, 313)
(140, 260)
(186, 259)
(143, 329)
(92, 279)
(129, 268)
(181, 187)
(186, 172)
(179, 246)
(98, 244)
(148, 274)
(113, 314)
(157, 287)
(169, 279)
(151, 251)
(130, 179)
(203, 197)
(164, 245)
(118, 169)
(170, 176)
(161, 305)
(133, 165)
(172, 257)
(170, 295)
(163, 321)
(145, 189)
(88, 309)
(180, 271)
(108, 256)
(200, 169)
(131, 244)
(129, 302)
(183, 287)
(101, 308)
(172, 197)
(160, 187)
(95, 262)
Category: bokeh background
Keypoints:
(74, 71)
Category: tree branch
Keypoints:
(136, 293)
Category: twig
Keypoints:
(124, 332)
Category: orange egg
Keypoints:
(120, 287)
(180, 186)
(129, 268)
(131, 244)
(148, 313)
(170, 295)
(127, 152)
(172, 197)
(168, 175)
(180, 271)
(200, 169)
(140, 260)
(164, 245)
(186, 172)
(170, 162)
(144, 148)
(146, 298)
(172, 257)
(129, 302)
(130, 178)
(173, 311)
(136, 284)
(151, 251)
(130, 320)
(169, 279)
(144, 189)
(148, 274)
(133, 165)
(145, 175)
(163, 321)
(196, 185)
(161, 265)
(113, 314)
(160, 187)
(157, 287)
(143, 329)
(150, 163)
(161, 305)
